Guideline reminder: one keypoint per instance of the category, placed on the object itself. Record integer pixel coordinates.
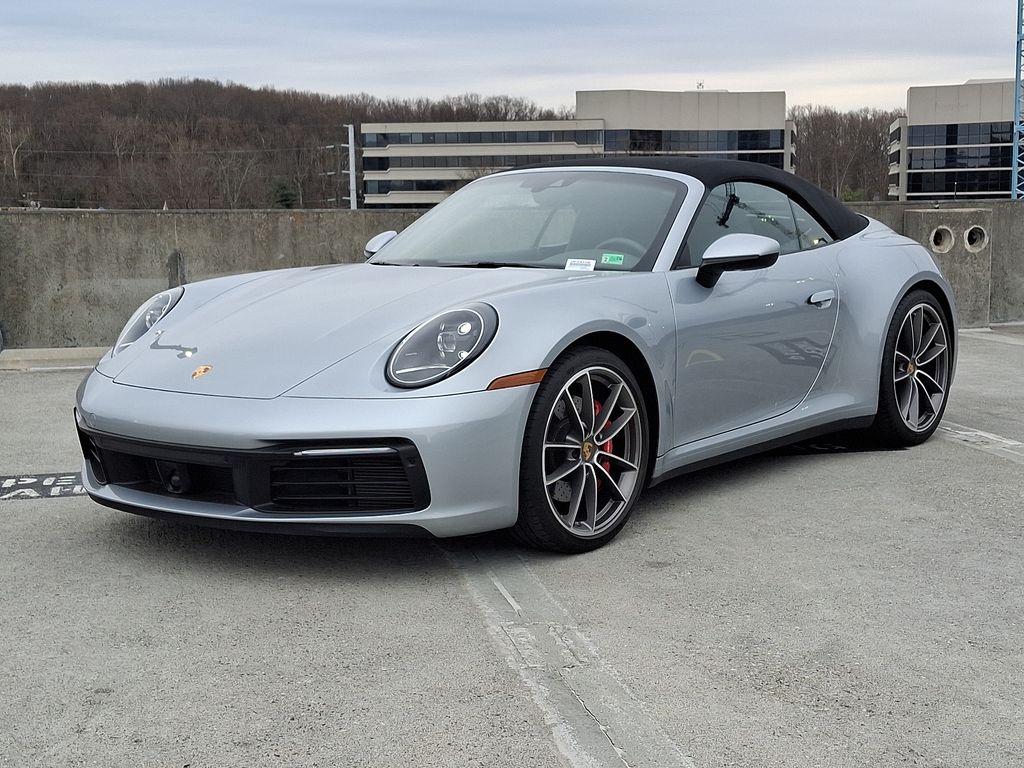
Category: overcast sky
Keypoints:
(849, 54)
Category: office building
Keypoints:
(955, 142)
(419, 164)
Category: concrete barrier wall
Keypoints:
(988, 280)
(72, 278)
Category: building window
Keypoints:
(960, 133)
(482, 137)
(693, 141)
(959, 182)
(409, 185)
(961, 157)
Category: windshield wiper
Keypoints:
(489, 265)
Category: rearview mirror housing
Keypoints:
(735, 252)
(377, 242)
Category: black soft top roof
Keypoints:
(840, 220)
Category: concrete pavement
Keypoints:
(809, 607)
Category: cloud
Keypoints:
(838, 53)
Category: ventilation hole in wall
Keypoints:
(942, 239)
(975, 238)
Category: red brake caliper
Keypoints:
(606, 447)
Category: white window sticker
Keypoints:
(580, 265)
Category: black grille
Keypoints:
(387, 478)
(369, 483)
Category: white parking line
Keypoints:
(996, 445)
(40, 369)
(594, 718)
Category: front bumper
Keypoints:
(468, 447)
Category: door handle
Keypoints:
(822, 299)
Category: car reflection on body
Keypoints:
(530, 354)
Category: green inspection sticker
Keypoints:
(612, 258)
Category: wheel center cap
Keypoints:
(911, 368)
(588, 450)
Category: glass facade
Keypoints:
(692, 141)
(408, 185)
(959, 182)
(960, 133)
(483, 137)
(961, 157)
(467, 161)
(774, 159)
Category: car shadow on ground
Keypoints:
(164, 544)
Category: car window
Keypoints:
(747, 208)
(811, 233)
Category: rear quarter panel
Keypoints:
(874, 270)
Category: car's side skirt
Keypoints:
(682, 467)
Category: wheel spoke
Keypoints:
(587, 397)
(929, 337)
(905, 341)
(901, 376)
(930, 354)
(626, 464)
(610, 482)
(628, 414)
(565, 469)
(924, 396)
(562, 446)
(917, 328)
(590, 495)
(576, 498)
(912, 410)
(925, 378)
(903, 398)
(576, 413)
(609, 406)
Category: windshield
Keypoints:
(554, 219)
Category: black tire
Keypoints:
(893, 427)
(547, 516)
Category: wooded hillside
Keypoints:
(196, 143)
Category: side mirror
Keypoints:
(738, 251)
(377, 242)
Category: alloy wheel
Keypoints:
(593, 450)
(921, 367)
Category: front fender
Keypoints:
(535, 326)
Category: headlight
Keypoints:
(442, 345)
(146, 316)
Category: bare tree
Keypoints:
(844, 152)
(14, 135)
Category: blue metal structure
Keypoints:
(1017, 184)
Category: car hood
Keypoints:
(265, 336)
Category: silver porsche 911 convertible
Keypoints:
(531, 354)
